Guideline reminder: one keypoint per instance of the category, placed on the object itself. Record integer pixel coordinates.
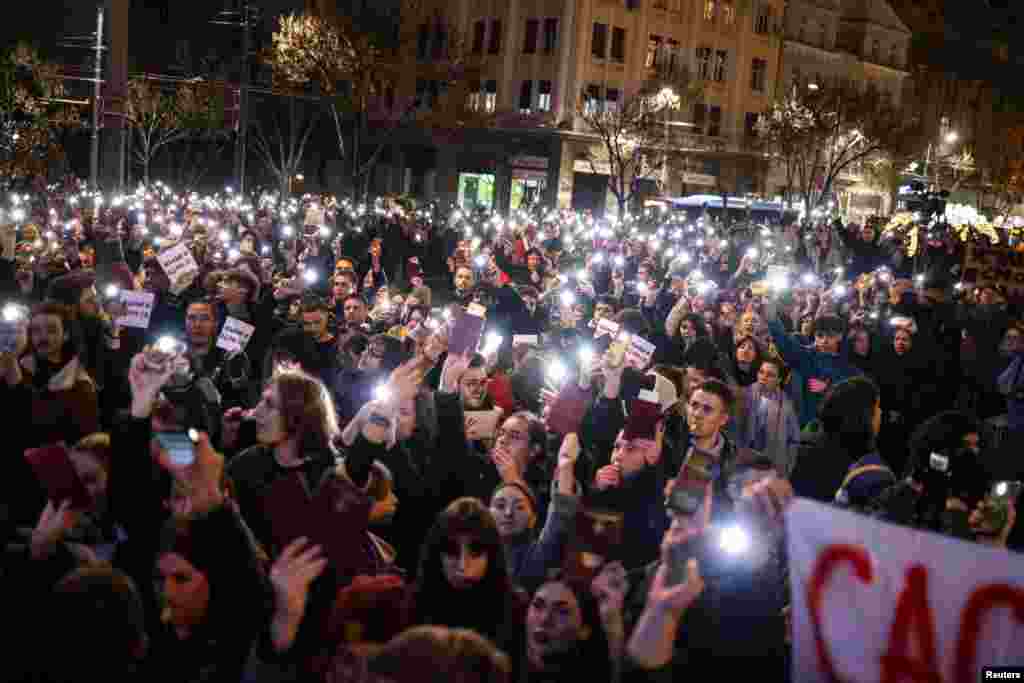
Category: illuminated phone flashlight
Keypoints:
(325, 232)
(704, 287)
(265, 250)
(225, 236)
(700, 244)
(641, 287)
(620, 261)
(874, 316)
(309, 275)
(381, 392)
(919, 279)
(568, 298)
(684, 257)
(112, 291)
(752, 253)
(958, 286)
(581, 274)
(12, 313)
(287, 231)
(18, 215)
(586, 355)
(234, 254)
(556, 370)
(809, 279)
(229, 189)
(493, 343)
(669, 253)
(734, 540)
(480, 261)
(779, 282)
(839, 290)
(598, 258)
(167, 344)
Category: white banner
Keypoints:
(138, 309)
(235, 335)
(179, 265)
(878, 602)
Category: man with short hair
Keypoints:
(230, 373)
(744, 494)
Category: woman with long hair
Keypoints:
(463, 580)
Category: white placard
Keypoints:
(851, 575)
(179, 265)
(138, 309)
(649, 396)
(235, 335)
(524, 340)
(9, 330)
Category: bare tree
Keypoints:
(817, 135)
(281, 145)
(632, 140)
(160, 114)
(360, 62)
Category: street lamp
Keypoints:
(949, 138)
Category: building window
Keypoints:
(495, 45)
(491, 96)
(700, 117)
(619, 44)
(704, 63)
(728, 13)
(440, 41)
(479, 32)
(758, 74)
(715, 121)
(544, 96)
(599, 41)
(550, 35)
(721, 65)
(525, 97)
(611, 100)
(530, 36)
(653, 46)
(422, 41)
(750, 124)
(876, 51)
(672, 55)
(592, 100)
(763, 19)
(710, 9)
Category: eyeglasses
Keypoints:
(500, 433)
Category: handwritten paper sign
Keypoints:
(179, 265)
(138, 309)
(235, 335)
(872, 601)
(524, 340)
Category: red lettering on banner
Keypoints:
(912, 616)
(978, 604)
(830, 558)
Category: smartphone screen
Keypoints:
(179, 447)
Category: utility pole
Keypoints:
(244, 19)
(97, 103)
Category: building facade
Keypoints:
(863, 42)
(538, 58)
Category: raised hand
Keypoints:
(146, 379)
(201, 479)
(569, 453)
(54, 523)
(608, 477)
(295, 569)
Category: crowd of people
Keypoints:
(465, 445)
